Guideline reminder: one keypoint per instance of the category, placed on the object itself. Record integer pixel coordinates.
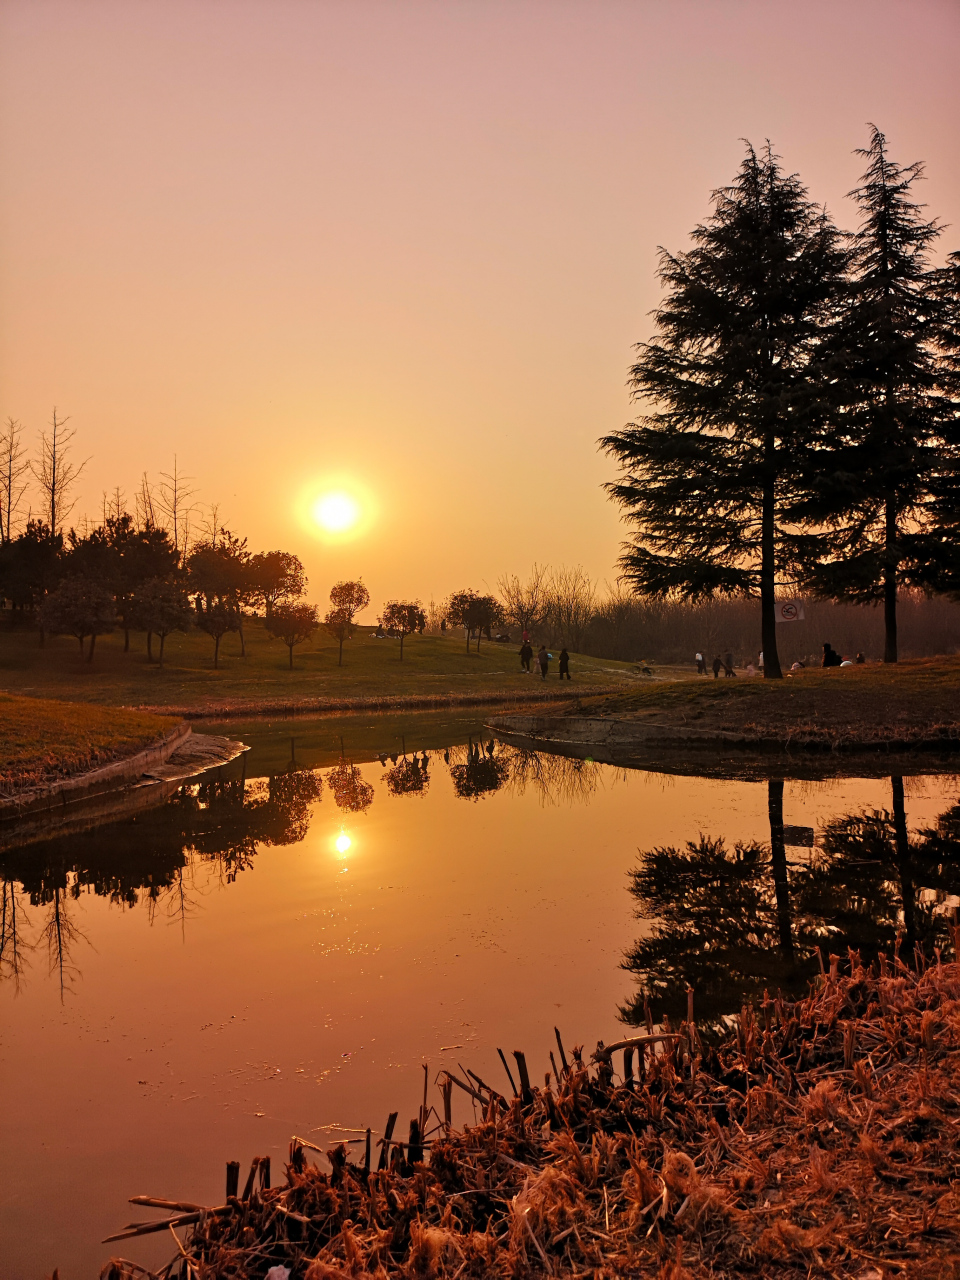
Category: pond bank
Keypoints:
(236, 708)
(820, 1134)
(912, 706)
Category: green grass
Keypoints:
(41, 740)
(908, 698)
(432, 665)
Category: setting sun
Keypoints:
(336, 512)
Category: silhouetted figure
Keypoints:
(728, 666)
(543, 658)
(526, 655)
(526, 636)
(443, 624)
(701, 665)
(717, 664)
(564, 664)
(830, 656)
(860, 660)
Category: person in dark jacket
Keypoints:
(564, 664)
(543, 658)
(526, 653)
(830, 656)
(717, 664)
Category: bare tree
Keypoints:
(146, 505)
(174, 502)
(525, 603)
(13, 467)
(54, 473)
(571, 604)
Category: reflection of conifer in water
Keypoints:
(717, 928)
(734, 924)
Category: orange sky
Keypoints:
(403, 244)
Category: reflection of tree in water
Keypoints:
(350, 792)
(13, 920)
(734, 923)
(408, 777)
(557, 779)
(476, 771)
(149, 857)
(481, 768)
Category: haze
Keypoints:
(402, 249)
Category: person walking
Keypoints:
(728, 666)
(526, 653)
(717, 664)
(564, 664)
(543, 658)
(701, 665)
(526, 636)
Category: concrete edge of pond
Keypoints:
(178, 755)
(672, 748)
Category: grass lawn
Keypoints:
(913, 698)
(432, 665)
(42, 740)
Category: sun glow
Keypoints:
(342, 843)
(336, 512)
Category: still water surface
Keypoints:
(277, 950)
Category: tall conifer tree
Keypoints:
(878, 471)
(710, 474)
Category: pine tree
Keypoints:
(733, 385)
(877, 473)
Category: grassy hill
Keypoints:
(432, 665)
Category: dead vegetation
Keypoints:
(820, 1137)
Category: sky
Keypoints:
(403, 249)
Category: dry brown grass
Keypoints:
(910, 702)
(819, 1138)
(41, 740)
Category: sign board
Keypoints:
(790, 611)
(802, 836)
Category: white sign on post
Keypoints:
(790, 611)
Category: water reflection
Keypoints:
(145, 859)
(151, 858)
(733, 923)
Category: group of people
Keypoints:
(725, 664)
(542, 659)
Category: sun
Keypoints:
(336, 512)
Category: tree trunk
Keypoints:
(243, 647)
(401, 646)
(290, 647)
(216, 653)
(778, 850)
(163, 637)
(149, 646)
(903, 862)
(93, 645)
(466, 629)
(80, 640)
(768, 607)
(126, 639)
(340, 654)
(890, 582)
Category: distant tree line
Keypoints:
(801, 427)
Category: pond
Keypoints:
(279, 947)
